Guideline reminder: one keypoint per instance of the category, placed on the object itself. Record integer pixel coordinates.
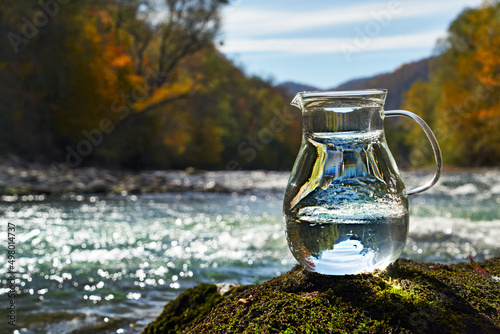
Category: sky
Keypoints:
(325, 43)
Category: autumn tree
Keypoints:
(127, 83)
(67, 67)
(65, 62)
(160, 37)
(463, 93)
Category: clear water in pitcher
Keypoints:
(351, 215)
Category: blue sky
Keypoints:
(325, 43)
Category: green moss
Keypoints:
(408, 297)
(186, 310)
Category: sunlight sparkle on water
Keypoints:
(124, 252)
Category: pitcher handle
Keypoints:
(435, 147)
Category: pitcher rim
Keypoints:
(341, 93)
(377, 94)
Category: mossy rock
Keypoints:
(408, 297)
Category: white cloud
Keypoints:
(332, 45)
(244, 22)
(261, 34)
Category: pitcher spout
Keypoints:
(298, 101)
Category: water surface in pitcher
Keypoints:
(347, 247)
(351, 215)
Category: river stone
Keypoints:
(98, 186)
(407, 297)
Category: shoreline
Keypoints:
(92, 180)
(36, 179)
(19, 177)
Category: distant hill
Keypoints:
(292, 88)
(354, 84)
(396, 82)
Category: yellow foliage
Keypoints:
(121, 60)
(162, 93)
(134, 79)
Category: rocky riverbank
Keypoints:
(46, 180)
(409, 297)
(31, 179)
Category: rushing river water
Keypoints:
(108, 264)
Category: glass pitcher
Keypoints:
(346, 206)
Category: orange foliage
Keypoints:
(466, 83)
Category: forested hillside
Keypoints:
(461, 99)
(396, 82)
(111, 83)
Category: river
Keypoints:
(108, 264)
